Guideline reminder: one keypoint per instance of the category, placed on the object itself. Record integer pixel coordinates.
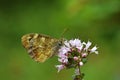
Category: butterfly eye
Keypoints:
(60, 43)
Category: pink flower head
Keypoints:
(72, 53)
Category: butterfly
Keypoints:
(41, 47)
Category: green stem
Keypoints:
(80, 76)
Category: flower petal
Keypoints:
(93, 50)
(67, 44)
(60, 67)
(64, 50)
(88, 45)
(63, 60)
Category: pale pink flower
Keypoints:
(64, 50)
(60, 67)
(93, 50)
(87, 45)
(80, 47)
(75, 43)
(73, 54)
(61, 55)
(71, 51)
(63, 60)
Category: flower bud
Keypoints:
(81, 63)
(75, 58)
(84, 55)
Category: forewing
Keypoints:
(40, 47)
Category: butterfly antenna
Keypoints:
(64, 31)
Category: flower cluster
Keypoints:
(73, 54)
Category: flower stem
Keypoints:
(80, 76)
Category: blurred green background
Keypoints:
(94, 20)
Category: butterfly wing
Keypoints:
(40, 47)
